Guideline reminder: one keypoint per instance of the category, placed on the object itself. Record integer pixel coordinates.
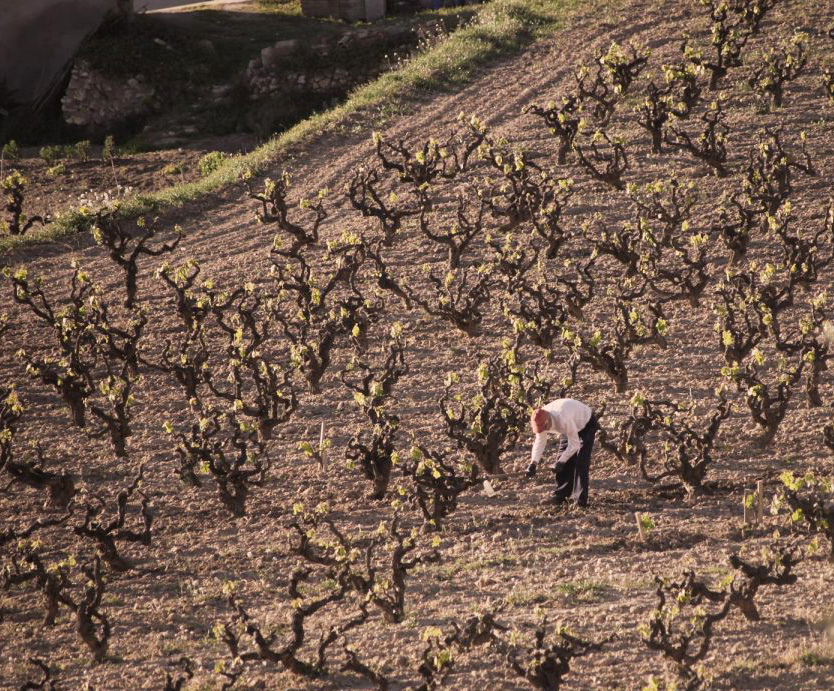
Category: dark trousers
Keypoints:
(572, 475)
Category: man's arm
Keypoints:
(538, 447)
(574, 443)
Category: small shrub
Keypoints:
(211, 162)
(815, 657)
(79, 151)
(583, 590)
(545, 665)
(11, 150)
(489, 423)
(13, 187)
(109, 151)
(808, 498)
(51, 154)
(778, 66)
(56, 170)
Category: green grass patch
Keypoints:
(286, 7)
(584, 590)
(497, 30)
(498, 562)
(816, 657)
(527, 598)
(462, 565)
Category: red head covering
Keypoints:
(540, 420)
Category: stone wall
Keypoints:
(329, 66)
(275, 72)
(97, 102)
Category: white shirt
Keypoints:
(567, 417)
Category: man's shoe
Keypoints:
(531, 471)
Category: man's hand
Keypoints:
(531, 471)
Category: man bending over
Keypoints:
(577, 426)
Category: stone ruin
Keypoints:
(272, 73)
(97, 102)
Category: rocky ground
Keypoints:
(512, 554)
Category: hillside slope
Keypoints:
(513, 554)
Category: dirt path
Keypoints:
(587, 570)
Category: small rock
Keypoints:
(269, 57)
(284, 48)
